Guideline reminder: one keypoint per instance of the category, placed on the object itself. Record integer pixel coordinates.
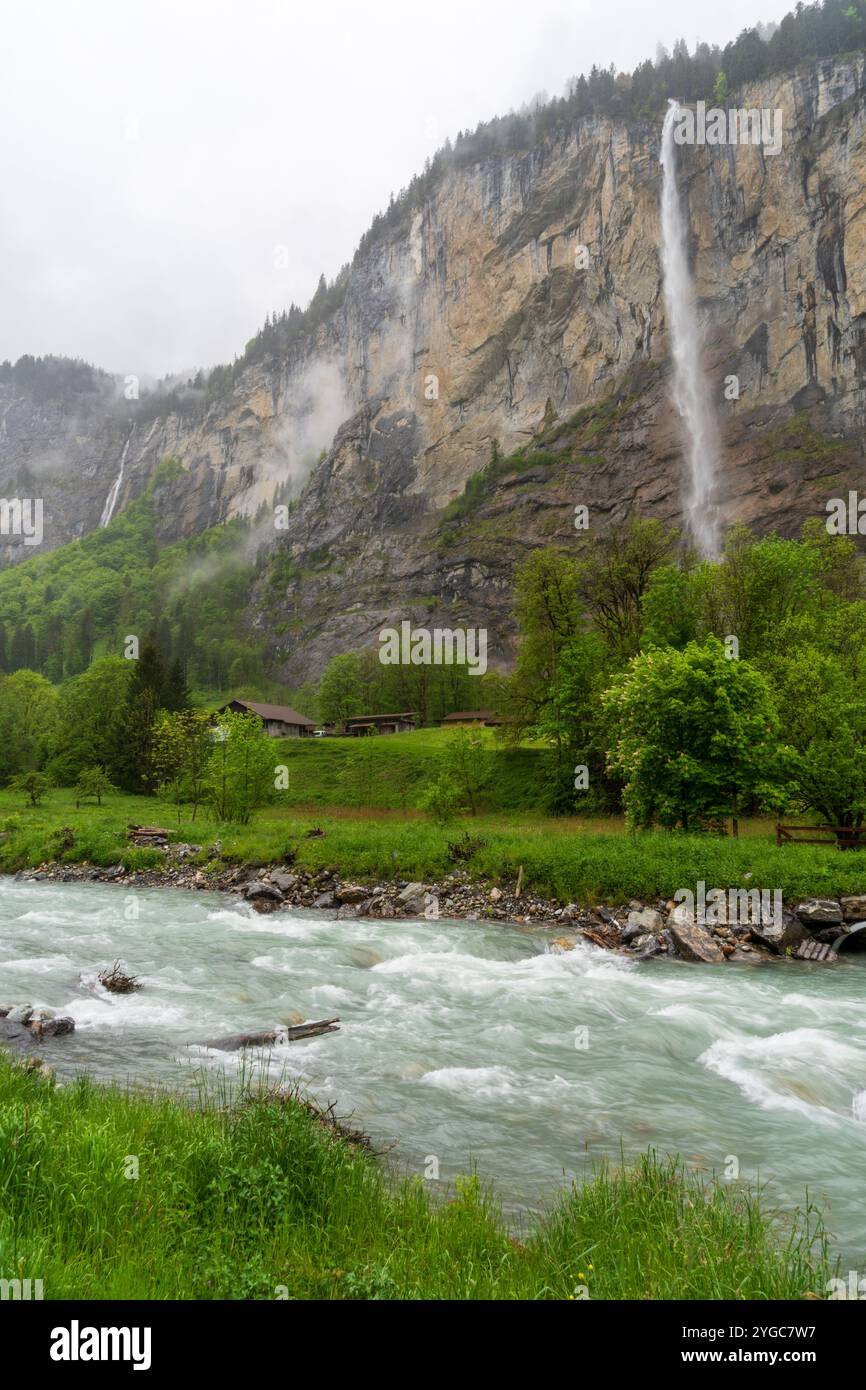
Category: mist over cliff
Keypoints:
(516, 306)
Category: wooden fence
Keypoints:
(843, 835)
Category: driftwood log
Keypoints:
(234, 1041)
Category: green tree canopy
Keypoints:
(693, 734)
(241, 772)
(29, 719)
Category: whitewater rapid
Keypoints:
(465, 1041)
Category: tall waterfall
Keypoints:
(690, 390)
(114, 491)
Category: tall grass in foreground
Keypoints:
(234, 1202)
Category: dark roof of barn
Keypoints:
(471, 714)
(284, 713)
(369, 718)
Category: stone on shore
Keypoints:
(819, 912)
(681, 916)
(638, 923)
(351, 893)
(349, 912)
(694, 943)
(778, 937)
(411, 899)
(285, 882)
(259, 889)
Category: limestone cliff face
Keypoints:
(483, 319)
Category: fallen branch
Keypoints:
(234, 1041)
(594, 937)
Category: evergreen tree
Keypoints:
(175, 690)
(132, 764)
(23, 654)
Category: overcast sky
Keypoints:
(155, 156)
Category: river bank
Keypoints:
(744, 928)
(564, 860)
(265, 1201)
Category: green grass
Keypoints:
(569, 859)
(236, 1201)
(390, 772)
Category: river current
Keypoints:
(468, 1044)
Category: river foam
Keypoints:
(477, 1043)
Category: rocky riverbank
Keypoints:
(815, 929)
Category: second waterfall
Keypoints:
(690, 390)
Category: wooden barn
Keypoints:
(471, 716)
(280, 721)
(363, 724)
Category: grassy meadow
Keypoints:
(567, 858)
(262, 1200)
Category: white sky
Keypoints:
(154, 156)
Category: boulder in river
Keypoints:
(15, 1036)
(20, 1013)
(52, 1027)
(645, 945)
(348, 912)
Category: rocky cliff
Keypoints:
(521, 305)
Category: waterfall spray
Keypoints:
(690, 392)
